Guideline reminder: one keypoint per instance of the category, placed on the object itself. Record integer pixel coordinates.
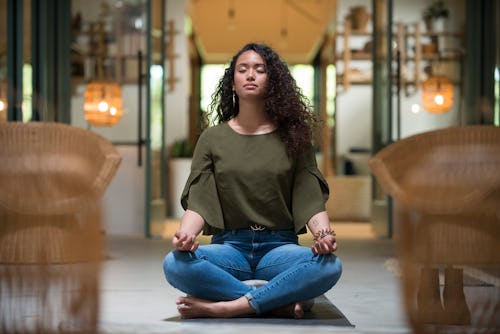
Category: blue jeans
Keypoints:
(216, 271)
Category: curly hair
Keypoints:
(284, 103)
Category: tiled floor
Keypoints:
(135, 298)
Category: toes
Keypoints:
(184, 300)
(298, 311)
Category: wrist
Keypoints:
(323, 233)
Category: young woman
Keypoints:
(254, 185)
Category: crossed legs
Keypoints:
(212, 277)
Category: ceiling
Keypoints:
(294, 28)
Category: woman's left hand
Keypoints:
(325, 241)
(324, 245)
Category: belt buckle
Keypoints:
(257, 227)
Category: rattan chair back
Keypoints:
(446, 190)
(52, 177)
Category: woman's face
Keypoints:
(250, 75)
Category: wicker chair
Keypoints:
(52, 177)
(446, 189)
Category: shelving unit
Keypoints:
(100, 54)
(347, 55)
(97, 53)
(417, 51)
(428, 52)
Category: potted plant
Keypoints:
(181, 152)
(434, 16)
(181, 148)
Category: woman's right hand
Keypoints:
(184, 242)
(185, 237)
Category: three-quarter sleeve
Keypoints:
(310, 190)
(200, 192)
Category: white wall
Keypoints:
(354, 118)
(123, 201)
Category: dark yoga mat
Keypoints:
(322, 313)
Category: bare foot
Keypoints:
(191, 307)
(295, 311)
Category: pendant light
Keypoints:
(103, 98)
(3, 101)
(103, 103)
(437, 94)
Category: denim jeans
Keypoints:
(216, 271)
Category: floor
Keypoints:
(135, 298)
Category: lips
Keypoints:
(250, 86)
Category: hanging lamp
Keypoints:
(3, 101)
(103, 103)
(437, 94)
(103, 98)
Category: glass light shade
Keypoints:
(437, 94)
(3, 110)
(103, 103)
(3, 101)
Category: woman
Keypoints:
(254, 185)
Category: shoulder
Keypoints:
(215, 132)
(211, 136)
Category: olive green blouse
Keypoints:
(239, 180)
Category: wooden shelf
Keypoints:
(434, 34)
(412, 82)
(354, 33)
(340, 80)
(435, 57)
(357, 55)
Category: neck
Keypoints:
(252, 119)
(252, 113)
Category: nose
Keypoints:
(251, 75)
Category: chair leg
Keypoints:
(455, 306)
(430, 309)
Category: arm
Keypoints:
(324, 237)
(185, 237)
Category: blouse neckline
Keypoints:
(250, 134)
